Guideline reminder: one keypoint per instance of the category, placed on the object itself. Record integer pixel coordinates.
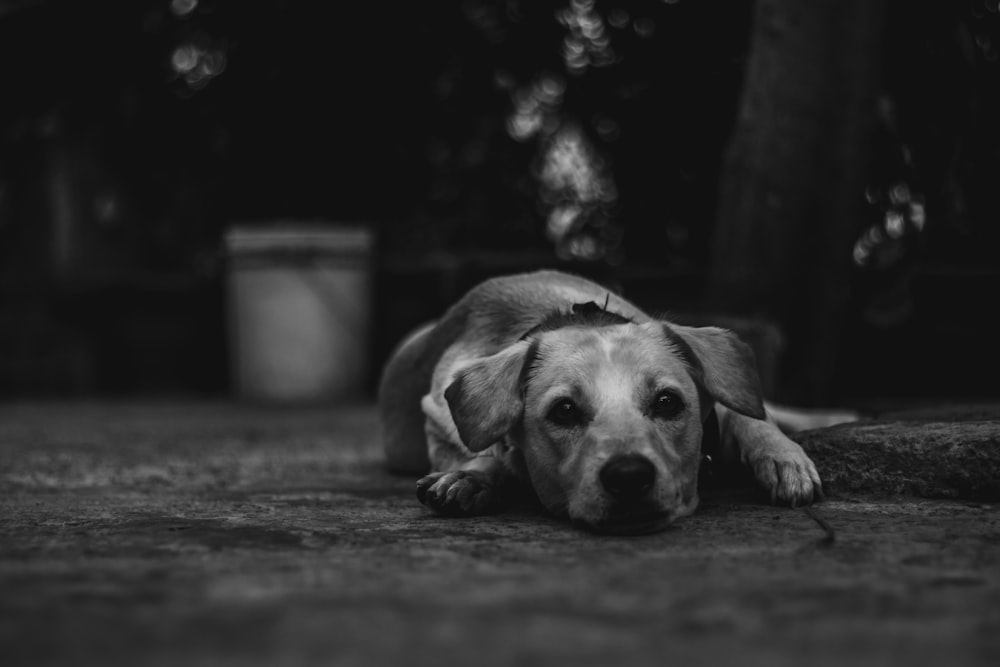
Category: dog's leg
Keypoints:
(472, 488)
(464, 483)
(778, 463)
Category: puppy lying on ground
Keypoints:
(548, 379)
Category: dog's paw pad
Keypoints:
(459, 493)
(790, 476)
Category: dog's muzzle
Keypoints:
(628, 480)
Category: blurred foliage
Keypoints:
(206, 111)
(936, 153)
(592, 128)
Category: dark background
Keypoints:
(133, 132)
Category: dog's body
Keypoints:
(551, 380)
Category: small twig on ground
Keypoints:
(831, 535)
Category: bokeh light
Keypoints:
(587, 42)
(572, 168)
(198, 65)
(183, 7)
(902, 216)
(577, 186)
(536, 108)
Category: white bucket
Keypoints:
(299, 300)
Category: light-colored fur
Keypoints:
(473, 399)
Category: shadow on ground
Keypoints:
(227, 534)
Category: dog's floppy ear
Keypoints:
(724, 364)
(486, 398)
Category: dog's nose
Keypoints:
(628, 477)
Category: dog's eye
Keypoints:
(667, 405)
(564, 412)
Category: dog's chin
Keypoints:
(633, 523)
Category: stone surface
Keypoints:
(225, 534)
(940, 452)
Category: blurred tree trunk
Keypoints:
(793, 181)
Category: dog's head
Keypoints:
(608, 414)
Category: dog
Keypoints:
(551, 381)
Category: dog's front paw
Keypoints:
(787, 473)
(458, 493)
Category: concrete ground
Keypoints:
(224, 534)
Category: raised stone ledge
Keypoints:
(941, 452)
